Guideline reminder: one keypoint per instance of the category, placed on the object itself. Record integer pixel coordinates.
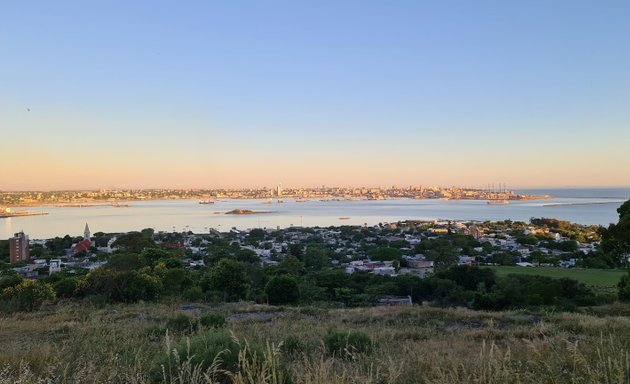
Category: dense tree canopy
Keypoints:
(386, 253)
(616, 238)
(282, 290)
(134, 242)
(229, 277)
(126, 286)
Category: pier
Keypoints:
(9, 214)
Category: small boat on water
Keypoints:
(206, 202)
(498, 202)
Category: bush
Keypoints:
(66, 287)
(193, 294)
(182, 324)
(282, 290)
(126, 286)
(175, 279)
(347, 344)
(212, 320)
(26, 296)
(624, 288)
(9, 281)
(469, 277)
(447, 292)
(522, 291)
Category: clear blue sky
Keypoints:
(211, 93)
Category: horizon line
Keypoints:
(308, 187)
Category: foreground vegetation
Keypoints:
(80, 343)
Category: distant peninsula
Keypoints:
(245, 212)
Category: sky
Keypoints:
(221, 94)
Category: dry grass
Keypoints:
(77, 343)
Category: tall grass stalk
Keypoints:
(256, 369)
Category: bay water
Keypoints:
(585, 206)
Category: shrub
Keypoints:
(9, 281)
(447, 292)
(347, 344)
(469, 277)
(282, 290)
(522, 291)
(624, 288)
(66, 287)
(182, 324)
(193, 294)
(212, 320)
(126, 286)
(26, 296)
(175, 279)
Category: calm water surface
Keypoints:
(169, 215)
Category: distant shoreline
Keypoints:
(571, 204)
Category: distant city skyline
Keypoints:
(155, 94)
(273, 188)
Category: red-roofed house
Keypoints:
(83, 245)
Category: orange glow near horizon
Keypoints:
(55, 151)
(84, 168)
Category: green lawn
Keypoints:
(595, 277)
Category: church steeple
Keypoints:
(86, 232)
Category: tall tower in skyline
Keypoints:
(86, 232)
(19, 248)
(279, 192)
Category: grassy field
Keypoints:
(600, 278)
(78, 343)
